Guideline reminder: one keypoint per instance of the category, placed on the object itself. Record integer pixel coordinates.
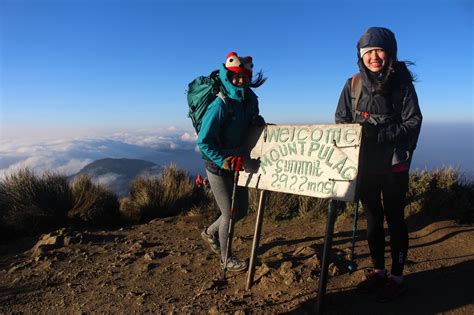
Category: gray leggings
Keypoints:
(222, 189)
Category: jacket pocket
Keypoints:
(400, 156)
(216, 170)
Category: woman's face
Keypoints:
(239, 79)
(375, 60)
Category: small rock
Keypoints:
(289, 278)
(349, 255)
(148, 257)
(208, 286)
(212, 284)
(126, 256)
(333, 269)
(157, 221)
(17, 280)
(71, 240)
(262, 271)
(149, 266)
(39, 252)
(136, 247)
(313, 262)
(15, 268)
(304, 251)
(213, 310)
(46, 243)
(115, 288)
(285, 266)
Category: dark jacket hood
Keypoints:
(378, 37)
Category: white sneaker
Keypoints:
(212, 240)
(234, 264)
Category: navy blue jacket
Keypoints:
(397, 111)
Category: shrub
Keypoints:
(438, 194)
(312, 208)
(129, 211)
(4, 231)
(203, 203)
(93, 203)
(441, 193)
(31, 203)
(278, 206)
(168, 194)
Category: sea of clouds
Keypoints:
(440, 145)
(67, 155)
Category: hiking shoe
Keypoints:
(372, 282)
(234, 264)
(212, 241)
(390, 291)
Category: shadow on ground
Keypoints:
(429, 292)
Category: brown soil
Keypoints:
(164, 266)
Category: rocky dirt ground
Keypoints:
(164, 267)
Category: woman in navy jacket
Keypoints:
(389, 112)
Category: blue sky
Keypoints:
(82, 65)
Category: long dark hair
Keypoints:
(259, 80)
(395, 76)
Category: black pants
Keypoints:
(384, 195)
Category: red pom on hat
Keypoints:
(232, 53)
(238, 64)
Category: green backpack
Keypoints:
(201, 92)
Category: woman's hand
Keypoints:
(233, 163)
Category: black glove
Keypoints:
(258, 121)
(385, 134)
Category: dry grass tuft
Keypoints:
(93, 203)
(278, 206)
(31, 203)
(441, 193)
(168, 194)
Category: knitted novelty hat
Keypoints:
(237, 64)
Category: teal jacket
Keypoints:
(225, 125)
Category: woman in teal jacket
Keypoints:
(220, 140)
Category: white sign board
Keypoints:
(312, 160)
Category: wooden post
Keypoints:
(256, 238)
(326, 252)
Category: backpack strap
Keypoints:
(356, 91)
(222, 96)
(229, 113)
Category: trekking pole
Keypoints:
(352, 267)
(232, 211)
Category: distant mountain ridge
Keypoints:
(117, 174)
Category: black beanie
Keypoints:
(378, 37)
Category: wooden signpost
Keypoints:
(312, 160)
